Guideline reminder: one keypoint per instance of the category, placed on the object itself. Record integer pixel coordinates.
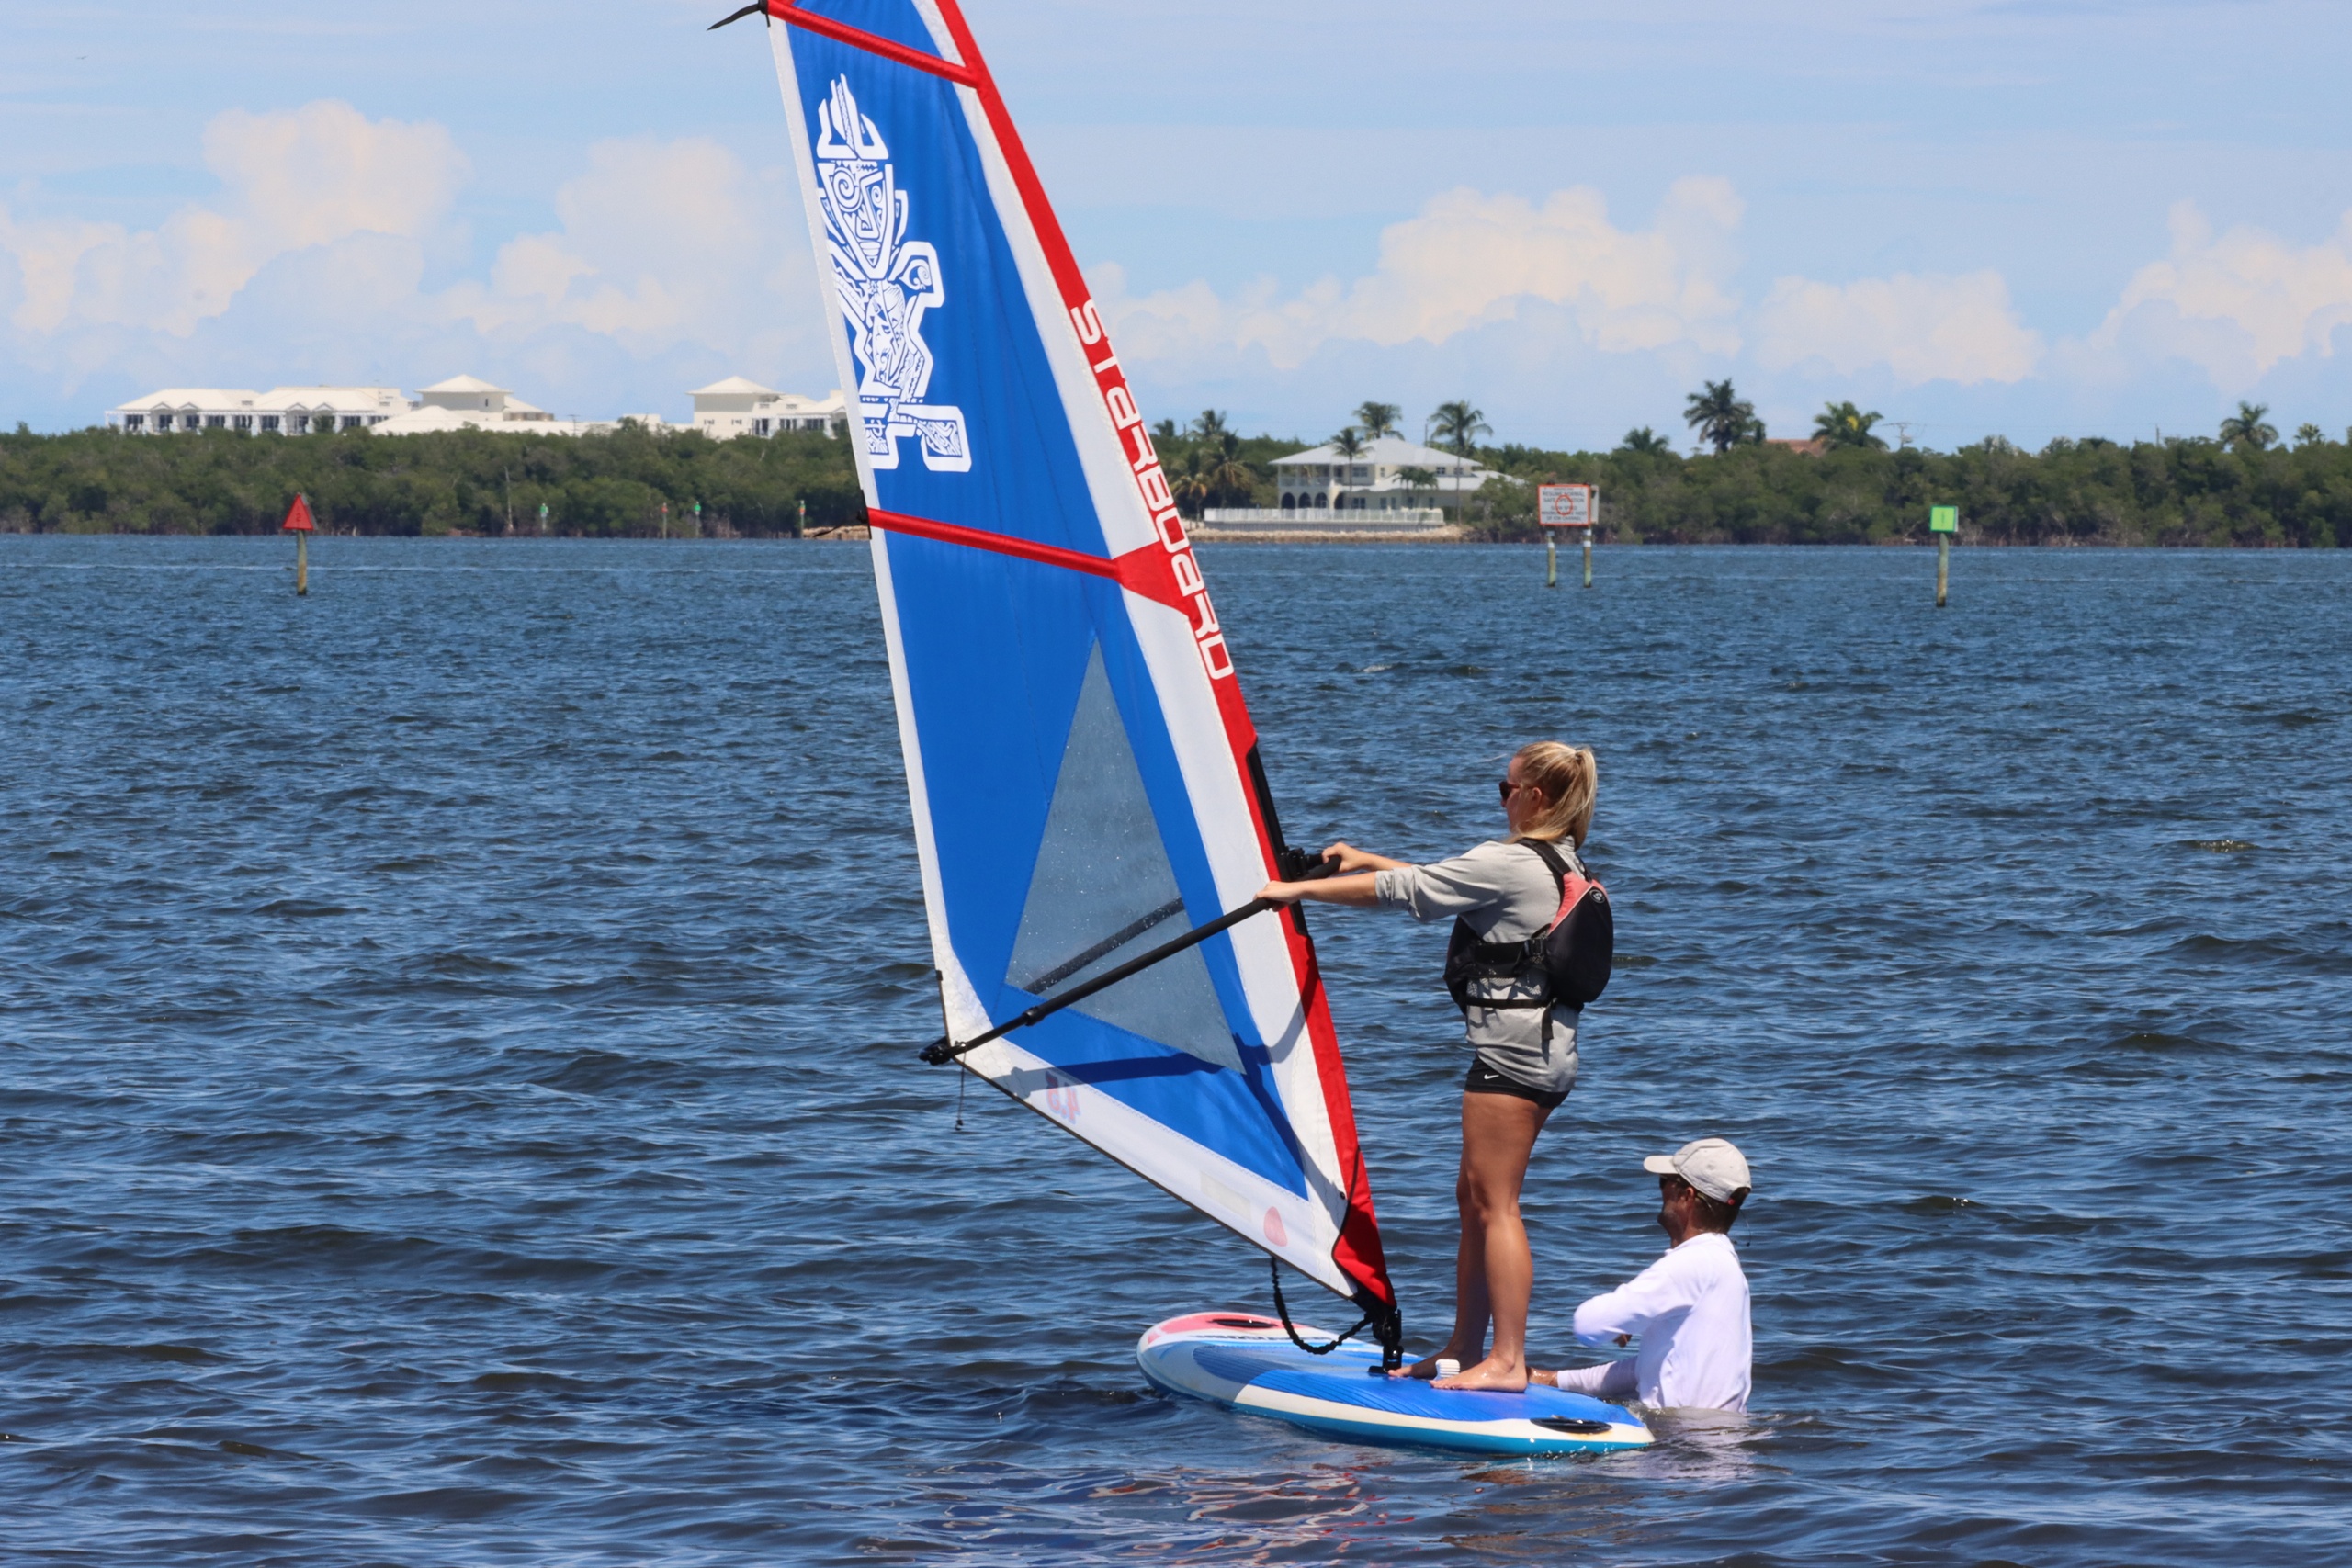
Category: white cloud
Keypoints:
(312, 177)
(1921, 328)
(662, 243)
(670, 259)
(669, 263)
(1470, 260)
(2236, 304)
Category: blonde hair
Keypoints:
(1569, 777)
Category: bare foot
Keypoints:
(1427, 1366)
(1544, 1375)
(1495, 1377)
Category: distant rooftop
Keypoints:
(1388, 452)
(735, 387)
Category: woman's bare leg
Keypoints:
(1499, 1134)
(1467, 1344)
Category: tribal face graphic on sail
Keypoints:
(885, 282)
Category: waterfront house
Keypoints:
(281, 410)
(1324, 480)
(739, 406)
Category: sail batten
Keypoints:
(1081, 766)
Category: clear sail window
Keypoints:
(1103, 892)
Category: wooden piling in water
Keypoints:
(298, 522)
(1943, 522)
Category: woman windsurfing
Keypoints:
(1519, 1016)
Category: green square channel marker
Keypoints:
(1943, 520)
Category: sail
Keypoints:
(1083, 770)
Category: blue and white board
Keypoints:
(1246, 1362)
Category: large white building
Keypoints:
(728, 408)
(469, 402)
(740, 407)
(1327, 480)
(282, 411)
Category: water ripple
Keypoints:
(459, 1103)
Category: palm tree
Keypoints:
(1458, 425)
(2309, 435)
(1210, 428)
(1378, 419)
(1185, 479)
(1647, 441)
(1721, 416)
(1234, 481)
(2244, 430)
(1349, 446)
(1192, 493)
(1843, 424)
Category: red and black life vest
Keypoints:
(1567, 960)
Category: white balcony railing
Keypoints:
(1336, 519)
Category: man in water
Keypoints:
(1690, 1308)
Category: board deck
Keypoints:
(1247, 1362)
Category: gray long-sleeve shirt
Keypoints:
(1506, 893)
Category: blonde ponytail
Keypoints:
(1569, 777)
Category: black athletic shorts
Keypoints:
(1484, 1079)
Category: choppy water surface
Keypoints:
(458, 1100)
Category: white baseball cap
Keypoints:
(1711, 1165)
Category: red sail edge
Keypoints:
(1358, 1254)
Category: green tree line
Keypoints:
(2238, 488)
(464, 481)
(2242, 486)
(2177, 491)
(1842, 486)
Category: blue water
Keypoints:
(458, 1100)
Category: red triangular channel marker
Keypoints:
(298, 519)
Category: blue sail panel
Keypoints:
(1080, 760)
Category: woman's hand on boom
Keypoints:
(1348, 882)
(1352, 859)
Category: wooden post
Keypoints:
(1943, 522)
(1587, 558)
(1551, 559)
(298, 522)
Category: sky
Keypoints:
(2032, 219)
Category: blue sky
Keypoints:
(2025, 219)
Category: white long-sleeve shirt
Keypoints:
(1690, 1312)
